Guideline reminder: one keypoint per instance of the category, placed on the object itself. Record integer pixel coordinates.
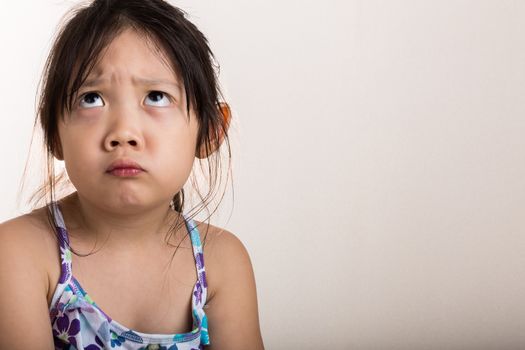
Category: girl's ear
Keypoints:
(225, 112)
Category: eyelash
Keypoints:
(165, 94)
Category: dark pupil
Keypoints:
(156, 96)
(90, 98)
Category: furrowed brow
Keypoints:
(93, 82)
(144, 81)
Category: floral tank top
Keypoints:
(78, 323)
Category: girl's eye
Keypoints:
(91, 100)
(158, 99)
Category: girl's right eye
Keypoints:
(91, 100)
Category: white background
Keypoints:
(379, 166)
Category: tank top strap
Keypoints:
(197, 251)
(63, 237)
(65, 252)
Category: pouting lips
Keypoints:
(124, 164)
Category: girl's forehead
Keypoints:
(132, 54)
(134, 47)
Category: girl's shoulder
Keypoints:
(219, 244)
(28, 239)
(30, 232)
(223, 253)
(232, 294)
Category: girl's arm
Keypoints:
(24, 315)
(232, 312)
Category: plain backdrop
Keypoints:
(379, 162)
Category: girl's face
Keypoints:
(131, 107)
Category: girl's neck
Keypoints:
(131, 230)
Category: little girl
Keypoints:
(129, 99)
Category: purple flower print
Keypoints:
(66, 331)
(202, 277)
(92, 347)
(65, 258)
(54, 311)
(159, 347)
(100, 345)
(200, 260)
(63, 236)
(198, 292)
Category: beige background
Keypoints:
(378, 162)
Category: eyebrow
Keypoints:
(143, 81)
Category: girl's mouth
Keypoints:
(125, 172)
(124, 167)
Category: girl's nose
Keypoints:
(123, 136)
(116, 142)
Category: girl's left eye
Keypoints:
(158, 99)
(91, 100)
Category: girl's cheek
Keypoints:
(86, 116)
(163, 116)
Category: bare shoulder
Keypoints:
(232, 306)
(19, 239)
(28, 230)
(24, 267)
(222, 249)
(29, 237)
(219, 242)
